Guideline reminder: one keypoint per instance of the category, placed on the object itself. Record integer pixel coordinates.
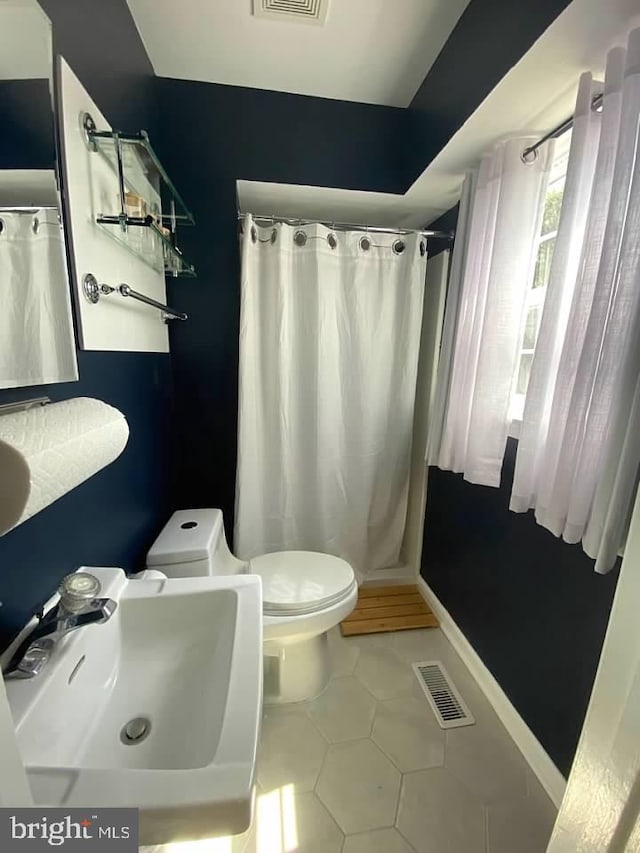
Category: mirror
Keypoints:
(37, 343)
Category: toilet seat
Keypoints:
(306, 595)
(298, 582)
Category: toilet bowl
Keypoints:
(304, 593)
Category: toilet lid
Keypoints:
(297, 582)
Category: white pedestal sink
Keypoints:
(184, 658)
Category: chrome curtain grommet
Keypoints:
(300, 238)
(2, 226)
(398, 247)
(35, 225)
(365, 244)
(332, 240)
(529, 155)
(274, 235)
(254, 234)
(423, 248)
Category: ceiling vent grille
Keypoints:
(297, 11)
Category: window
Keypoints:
(545, 246)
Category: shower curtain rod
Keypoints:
(596, 105)
(350, 226)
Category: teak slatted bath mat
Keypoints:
(388, 608)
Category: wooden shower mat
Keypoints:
(388, 608)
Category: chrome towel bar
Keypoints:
(93, 291)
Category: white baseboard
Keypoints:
(401, 574)
(534, 753)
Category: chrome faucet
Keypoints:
(79, 606)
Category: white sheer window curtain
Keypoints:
(500, 214)
(579, 451)
(454, 295)
(329, 339)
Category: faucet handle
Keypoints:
(34, 659)
(77, 590)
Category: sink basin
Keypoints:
(157, 708)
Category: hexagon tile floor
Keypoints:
(365, 768)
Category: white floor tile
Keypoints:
(489, 765)
(431, 644)
(540, 800)
(359, 786)
(372, 724)
(420, 644)
(344, 711)
(384, 674)
(540, 797)
(342, 653)
(370, 641)
(520, 826)
(407, 732)
(291, 822)
(380, 841)
(228, 844)
(437, 814)
(291, 751)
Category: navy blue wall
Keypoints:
(531, 605)
(100, 42)
(488, 40)
(209, 136)
(502, 559)
(26, 119)
(112, 518)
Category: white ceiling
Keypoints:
(294, 201)
(536, 95)
(374, 51)
(25, 41)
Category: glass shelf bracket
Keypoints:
(147, 199)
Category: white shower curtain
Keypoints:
(579, 450)
(36, 329)
(329, 339)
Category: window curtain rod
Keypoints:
(350, 226)
(596, 105)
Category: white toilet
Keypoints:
(304, 595)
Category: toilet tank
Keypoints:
(193, 544)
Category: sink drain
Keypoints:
(135, 731)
